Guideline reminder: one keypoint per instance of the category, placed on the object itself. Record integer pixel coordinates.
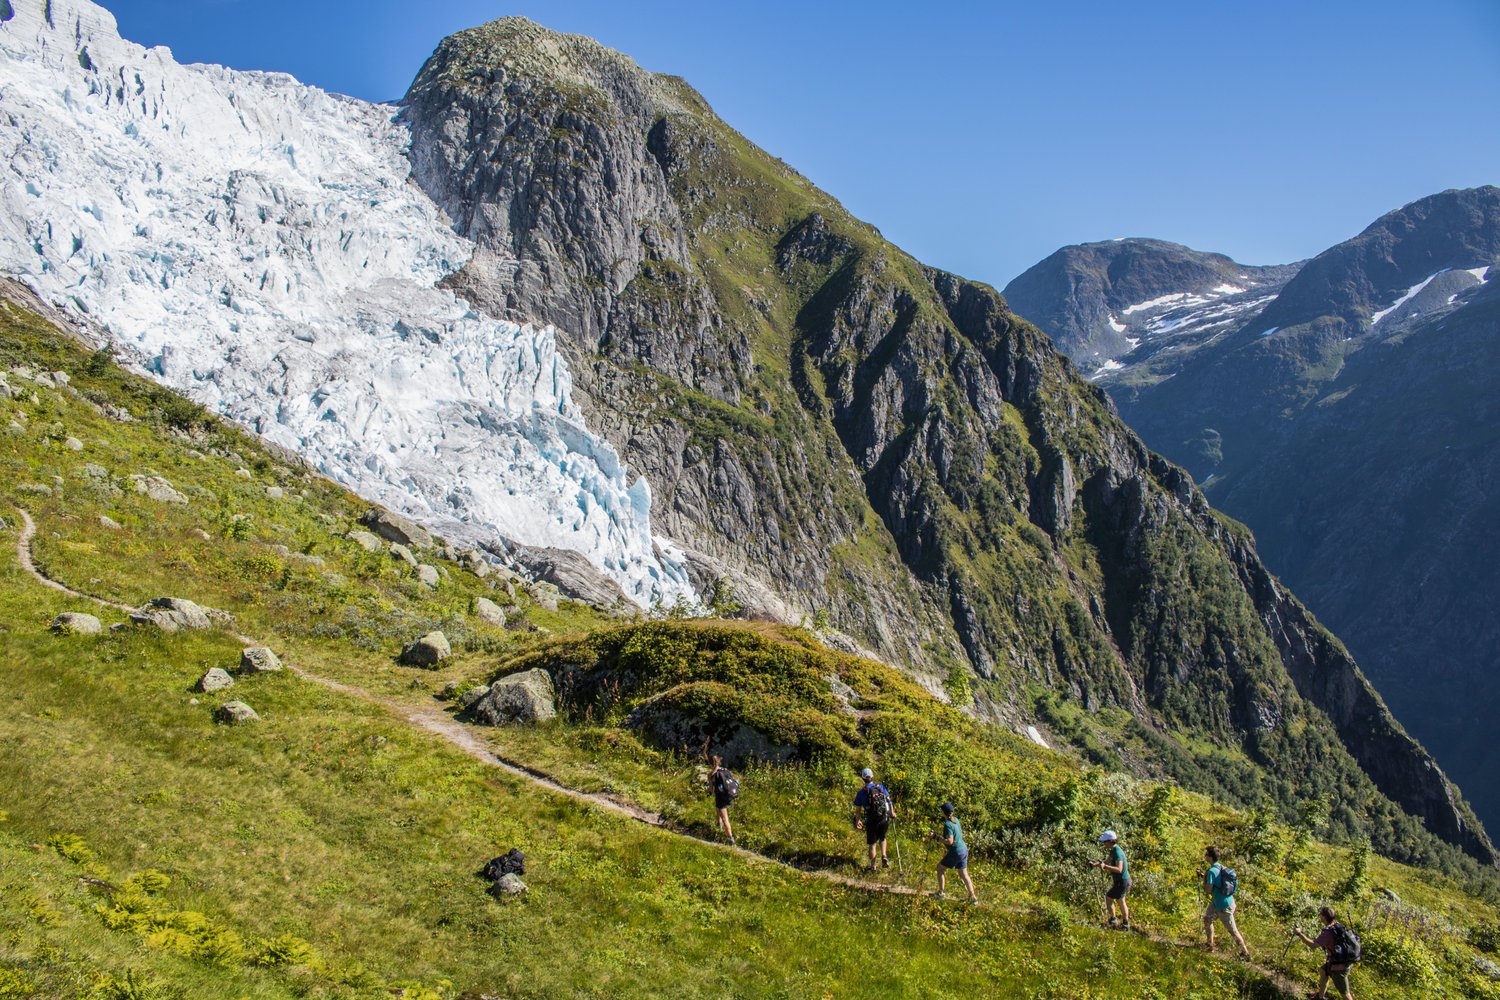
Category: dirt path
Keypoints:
(440, 724)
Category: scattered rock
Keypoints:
(60, 378)
(76, 623)
(471, 697)
(93, 471)
(545, 595)
(427, 575)
(508, 885)
(201, 535)
(275, 492)
(118, 627)
(216, 679)
(401, 552)
(73, 444)
(15, 429)
(1389, 895)
(524, 697)
(174, 614)
(158, 489)
(488, 611)
(365, 540)
(105, 521)
(235, 713)
(475, 563)
(427, 651)
(395, 528)
(450, 690)
(242, 473)
(258, 660)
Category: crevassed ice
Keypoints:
(258, 244)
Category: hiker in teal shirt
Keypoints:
(1119, 886)
(957, 856)
(1221, 904)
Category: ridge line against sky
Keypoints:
(982, 137)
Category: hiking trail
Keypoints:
(439, 723)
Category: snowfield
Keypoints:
(258, 245)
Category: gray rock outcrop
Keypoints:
(509, 884)
(427, 575)
(395, 528)
(76, 623)
(518, 698)
(158, 489)
(235, 713)
(258, 660)
(216, 679)
(175, 614)
(427, 651)
(365, 540)
(573, 576)
(489, 612)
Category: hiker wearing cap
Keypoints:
(957, 856)
(725, 787)
(1119, 886)
(1222, 886)
(873, 812)
(1342, 947)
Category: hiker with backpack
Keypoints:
(1222, 885)
(957, 856)
(725, 787)
(1119, 886)
(873, 812)
(1343, 948)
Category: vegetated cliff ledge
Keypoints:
(843, 430)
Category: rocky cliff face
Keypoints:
(841, 429)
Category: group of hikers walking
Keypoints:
(874, 809)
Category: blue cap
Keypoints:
(947, 808)
(1107, 836)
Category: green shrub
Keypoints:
(1403, 959)
(285, 950)
(72, 847)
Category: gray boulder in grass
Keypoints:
(508, 885)
(216, 679)
(520, 698)
(76, 623)
(395, 528)
(175, 614)
(471, 697)
(427, 576)
(427, 651)
(366, 541)
(258, 660)
(235, 713)
(489, 612)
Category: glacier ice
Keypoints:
(258, 244)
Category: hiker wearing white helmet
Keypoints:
(1119, 887)
(873, 812)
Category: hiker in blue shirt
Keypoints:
(1219, 882)
(873, 812)
(957, 856)
(1119, 870)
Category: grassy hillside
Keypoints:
(328, 849)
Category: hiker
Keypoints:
(1222, 885)
(725, 787)
(1119, 886)
(957, 856)
(873, 812)
(1342, 947)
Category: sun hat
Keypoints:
(866, 773)
(1107, 836)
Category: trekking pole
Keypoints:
(900, 868)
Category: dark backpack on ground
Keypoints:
(877, 805)
(1346, 946)
(726, 784)
(1228, 883)
(513, 862)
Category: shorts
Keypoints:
(722, 801)
(876, 832)
(955, 858)
(1119, 889)
(1338, 975)
(1225, 917)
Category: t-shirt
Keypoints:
(862, 799)
(1117, 857)
(1211, 882)
(952, 829)
(1327, 940)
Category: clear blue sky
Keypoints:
(981, 137)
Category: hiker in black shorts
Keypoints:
(725, 787)
(1119, 886)
(873, 812)
(1342, 947)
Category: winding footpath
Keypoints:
(440, 724)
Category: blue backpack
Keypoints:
(1228, 883)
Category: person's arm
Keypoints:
(859, 813)
(1297, 933)
(1116, 869)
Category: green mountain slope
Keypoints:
(845, 432)
(327, 849)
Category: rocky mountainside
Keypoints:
(1113, 305)
(845, 432)
(1352, 424)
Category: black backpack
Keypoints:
(877, 804)
(513, 862)
(1346, 946)
(726, 783)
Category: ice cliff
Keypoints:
(257, 244)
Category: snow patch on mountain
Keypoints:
(258, 245)
(1411, 293)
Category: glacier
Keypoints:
(259, 245)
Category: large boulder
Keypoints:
(158, 489)
(76, 623)
(395, 528)
(258, 660)
(216, 679)
(366, 541)
(519, 698)
(235, 713)
(427, 651)
(472, 697)
(489, 612)
(427, 575)
(474, 563)
(572, 574)
(176, 614)
(401, 553)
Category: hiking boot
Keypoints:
(731, 840)
(1125, 926)
(885, 862)
(870, 868)
(973, 900)
(939, 895)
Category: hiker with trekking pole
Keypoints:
(957, 857)
(1342, 947)
(1222, 885)
(725, 787)
(873, 812)
(1119, 885)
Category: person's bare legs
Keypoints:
(1124, 909)
(724, 823)
(942, 878)
(1234, 930)
(963, 873)
(1208, 925)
